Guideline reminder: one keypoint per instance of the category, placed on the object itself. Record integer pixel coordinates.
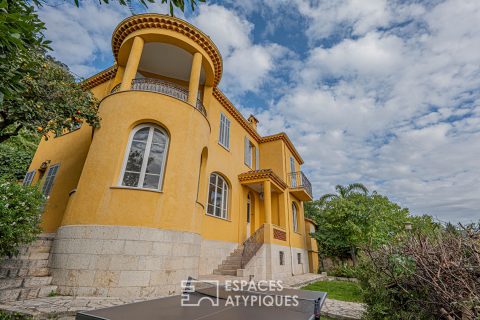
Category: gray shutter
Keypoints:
(257, 158)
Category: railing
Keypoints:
(163, 87)
(251, 246)
(299, 180)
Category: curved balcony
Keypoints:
(164, 87)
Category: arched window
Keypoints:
(217, 196)
(295, 217)
(145, 158)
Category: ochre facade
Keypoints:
(216, 181)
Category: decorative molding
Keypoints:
(262, 174)
(284, 137)
(152, 20)
(311, 221)
(100, 78)
(246, 125)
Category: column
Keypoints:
(194, 78)
(132, 63)
(267, 201)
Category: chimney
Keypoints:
(253, 122)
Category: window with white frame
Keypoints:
(51, 174)
(217, 196)
(144, 163)
(28, 178)
(224, 135)
(295, 217)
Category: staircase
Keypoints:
(27, 276)
(240, 257)
(231, 264)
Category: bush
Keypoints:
(424, 276)
(20, 209)
(344, 271)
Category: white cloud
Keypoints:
(81, 36)
(246, 64)
(397, 108)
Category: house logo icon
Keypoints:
(191, 286)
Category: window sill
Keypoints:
(136, 189)
(221, 145)
(214, 216)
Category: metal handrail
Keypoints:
(299, 180)
(252, 245)
(164, 87)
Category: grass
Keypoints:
(338, 290)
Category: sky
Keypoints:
(381, 92)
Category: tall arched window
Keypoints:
(217, 196)
(295, 217)
(145, 158)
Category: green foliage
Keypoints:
(13, 316)
(311, 209)
(343, 270)
(20, 209)
(338, 290)
(51, 102)
(345, 224)
(16, 155)
(21, 31)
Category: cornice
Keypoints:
(262, 174)
(99, 78)
(284, 137)
(153, 20)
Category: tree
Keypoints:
(16, 155)
(353, 219)
(30, 96)
(343, 192)
(51, 101)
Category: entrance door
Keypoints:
(249, 214)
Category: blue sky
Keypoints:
(382, 92)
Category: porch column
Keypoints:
(194, 78)
(132, 63)
(267, 201)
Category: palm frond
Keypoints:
(357, 187)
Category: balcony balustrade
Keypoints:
(298, 180)
(164, 87)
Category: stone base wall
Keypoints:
(265, 265)
(212, 253)
(122, 261)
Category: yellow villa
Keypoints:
(175, 182)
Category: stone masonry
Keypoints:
(27, 276)
(122, 261)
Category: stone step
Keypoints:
(23, 264)
(234, 258)
(26, 293)
(225, 272)
(229, 266)
(33, 282)
(27, 282)
(24, 272)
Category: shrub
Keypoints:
(424, 276)
(344, 271)
(20, 209)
